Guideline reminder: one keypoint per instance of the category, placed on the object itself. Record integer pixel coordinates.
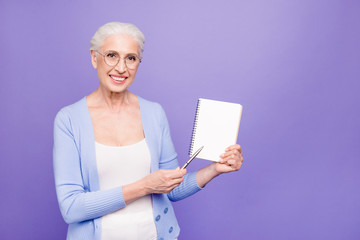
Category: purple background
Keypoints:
(294, 65)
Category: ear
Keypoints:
(93, 58)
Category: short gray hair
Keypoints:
(113, 28)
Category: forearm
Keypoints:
(134, 191)
(206, 174)
(89, 205)
(187, 188)
(76, 205)
(161, 181)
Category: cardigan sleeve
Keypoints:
(76, 202)
(168, 160)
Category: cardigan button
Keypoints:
(157, 218)
(171, 229)
(166, 210)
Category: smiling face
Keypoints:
(119, 77)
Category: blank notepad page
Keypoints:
(216, 127)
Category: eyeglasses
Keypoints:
(112, 58)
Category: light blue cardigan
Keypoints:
(81, 202)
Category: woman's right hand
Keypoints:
(163, 181)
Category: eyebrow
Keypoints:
(127, 54)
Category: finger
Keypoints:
(239, 166)
(170, 184)
(180, 173)
(234, 161)
(232, 156)
(235, 165)
(231, 147)
(175, 182)
(175, 173)
(230, 153)
(183, 171)
(226, 167)
(231, 162)
(171, 188)
(236, 147)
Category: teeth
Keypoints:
(118, 79)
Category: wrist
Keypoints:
(213, 170)
(134, 191)
(143, 187)
(206, 174)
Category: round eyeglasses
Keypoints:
(112, 58)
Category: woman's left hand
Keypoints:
(231, 160)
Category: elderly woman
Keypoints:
(116, 168)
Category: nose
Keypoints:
(121, 66)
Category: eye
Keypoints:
(111, 55)
(131, 58)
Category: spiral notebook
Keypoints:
(216, 127)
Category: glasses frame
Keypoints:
(103, 55)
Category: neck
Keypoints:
(114, 101)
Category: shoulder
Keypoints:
(151, 107)
(152, 112)
(72, 111)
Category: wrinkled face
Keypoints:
(119, 77)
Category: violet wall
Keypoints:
(293, 65)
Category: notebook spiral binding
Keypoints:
(194, 128)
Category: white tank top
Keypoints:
(118, 166)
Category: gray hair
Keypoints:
(113, 28)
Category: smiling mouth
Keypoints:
(118, 79)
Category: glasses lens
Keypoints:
(111, 58)
(132, 61)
